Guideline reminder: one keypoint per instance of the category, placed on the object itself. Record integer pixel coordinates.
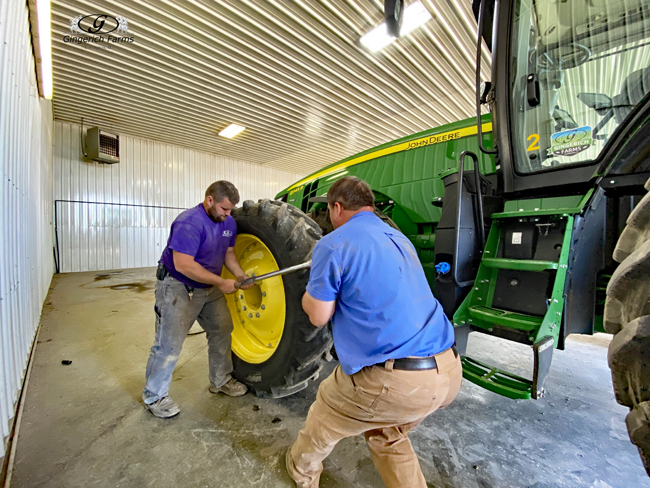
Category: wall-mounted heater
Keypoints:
(102, 146)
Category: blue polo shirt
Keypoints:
(384, 306)
(194, 233)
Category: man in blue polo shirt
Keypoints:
(394, 343)
(189, 289)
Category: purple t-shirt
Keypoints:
(194, 233)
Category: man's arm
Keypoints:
(185, 264)
(319, 312)
(232, 263)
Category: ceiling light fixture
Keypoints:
(45, 46)
(231, 131)
(415, 15)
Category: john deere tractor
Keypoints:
(515, 214)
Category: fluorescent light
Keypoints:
(45, 45)
(231, 131)
(377, 38)
(415, 15)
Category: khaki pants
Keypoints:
(384, 404)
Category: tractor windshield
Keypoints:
(578, 69)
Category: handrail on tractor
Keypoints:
(479, 44)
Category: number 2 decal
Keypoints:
(535, 144)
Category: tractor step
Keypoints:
(493, 379)
(508, 384)
(513, 320)
(520, 264)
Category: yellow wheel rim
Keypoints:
(257, 314)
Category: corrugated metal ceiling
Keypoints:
(292, 72)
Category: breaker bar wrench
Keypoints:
(280, 272)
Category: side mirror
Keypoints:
(393, 10)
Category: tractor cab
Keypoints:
(569, 96)
(567, 78)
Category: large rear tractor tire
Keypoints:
(627, 315)
(276, 350)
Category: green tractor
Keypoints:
(515, 214)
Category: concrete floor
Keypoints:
(84, 425)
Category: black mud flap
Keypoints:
(461, 334)
(543, 352)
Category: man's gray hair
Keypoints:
(223, 189)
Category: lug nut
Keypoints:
(257, 315)
(250, 315)
(244, 307)
(241, 296)
(263, 293)
(263, 307)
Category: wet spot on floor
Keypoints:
(138, 287)
(106, 276)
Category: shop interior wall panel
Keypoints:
(26, 205)
(116, 216)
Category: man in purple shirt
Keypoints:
(189, 289)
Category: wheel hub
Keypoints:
(258, 314)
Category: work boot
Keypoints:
(232, 388)
(163, 408)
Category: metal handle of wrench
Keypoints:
(280, 272)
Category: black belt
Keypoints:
(416, 364)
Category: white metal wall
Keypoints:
(26, 264)
(129, 206)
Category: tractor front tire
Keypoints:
(273, 235)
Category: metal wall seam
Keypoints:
(26, 265)
(149, 187)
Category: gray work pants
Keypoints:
(176, 311)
